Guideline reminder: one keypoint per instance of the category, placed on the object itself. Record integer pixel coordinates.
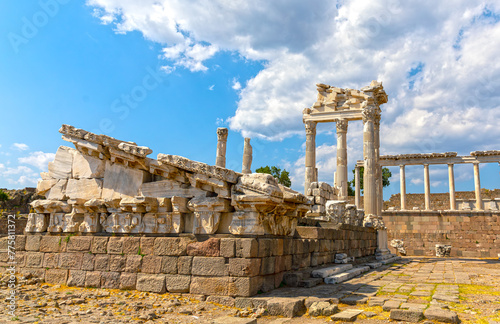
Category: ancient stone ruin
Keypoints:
(115, 218)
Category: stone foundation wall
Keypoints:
(471, 234)
(215, 265)
(439, 201)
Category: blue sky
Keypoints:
(166, 74)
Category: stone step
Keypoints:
(344, 276)
(374, 265)
(310, 282)
(391, 260)
(330, 271)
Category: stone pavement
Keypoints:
(429, 290)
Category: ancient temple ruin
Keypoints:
(108, 185)
(174, 224)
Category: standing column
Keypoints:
(378, 182)
(341, 178)
(427, 187)
(357, 190)
(220, 159)
(247, 157)
(451, 180)
(402, 186)
(477, 185)
(370, 115)
(310, 154)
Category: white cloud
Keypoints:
(211, 88)
(438, 63)
(20, 146)
(236, 84)
(38, 159)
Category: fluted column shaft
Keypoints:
(370, 115)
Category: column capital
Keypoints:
(222, 133)
(310, 127)
(451, 164)
(341, 125)
(371, 113)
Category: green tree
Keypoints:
(283, 177)
(386, 175)
(3, 197)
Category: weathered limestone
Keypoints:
(247, 157)
(61, 167)
(207, 213)
(86, 167)
(84, 188)
(121, 181)
(220, 159)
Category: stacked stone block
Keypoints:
(470, 233)
(319, 193)
(222, 265)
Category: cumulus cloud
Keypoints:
(236, 84)
(438, 63)
(20, 146)
(38, 159)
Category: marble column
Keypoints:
(427, 187)
(310, 154)
(402, 186)
(357, 190)
(370, 116)
(378, 180)
(477, 186)
(341, 173)
(246, 167)
(220, 159)
(451, 181)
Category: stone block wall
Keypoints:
(439, 201)
(216, 265)
(470, 233)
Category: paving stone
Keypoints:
(344, 276)
(413, 306)
(446, 298)
(310, 282)
(348, 315)
(421, 293)
(407, 315)
(377, 301)
(391, 304)
(354, 299)
(442, 315)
